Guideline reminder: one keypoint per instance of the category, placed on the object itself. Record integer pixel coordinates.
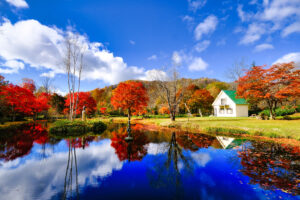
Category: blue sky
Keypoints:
(133, 39)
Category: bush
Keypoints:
(298, 108)
(279, 111)
(75, 128)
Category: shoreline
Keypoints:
(177, 125)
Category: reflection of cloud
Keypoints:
(201, 158)
(155, 149)
(43, 179)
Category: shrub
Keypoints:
(279, 111)
(75, 128)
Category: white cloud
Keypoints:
(43, 179)
(193, 63)
(153, 57)
(201, 158)
(276, 15)
(198, 64)
(11, 66)
(263, 47)
(176, 58)
(194, 5)
(254, 33)
(61, 92)
(18, 3)
(243, 15)
(201, 46)
(43, 47)
(155, 149)
(132, 42)
(154, 74)
(279, 10)
(206, 27)
(293, 28)
(290, 57)
(252, 2)
(187, 18)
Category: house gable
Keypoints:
(217, 99)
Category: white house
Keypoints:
(228, 105)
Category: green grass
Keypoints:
(242, 125)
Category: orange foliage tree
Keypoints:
(164, 110)
(130, 96)
(84, 99)
(279, 82)
(201, 99)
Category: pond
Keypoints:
(154, 165)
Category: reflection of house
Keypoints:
(227, 105)
(229, 142)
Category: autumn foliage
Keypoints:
(21, 100)
(201, 99)
(272, 166)
(132, 151)
(20, 141)
(273, 85)
(130, 96)
(164, 110)
(84, 99)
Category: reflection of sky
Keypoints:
(43, 178)
(213, 174)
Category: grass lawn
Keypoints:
(246, 125)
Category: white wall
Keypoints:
(229, 102)
(237, 110)
(242, 110)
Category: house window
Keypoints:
(229, 111)
(221, 111)
(223, 102)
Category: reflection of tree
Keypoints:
(18, 142)
(201, 140)
(132, 150)
(170, 174)
(68, 183)
(80, 142)
(272, 166)
(185, 141)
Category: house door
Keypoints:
(215, 111)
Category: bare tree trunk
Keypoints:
(74, 52)
(171, 89)
(200, 113)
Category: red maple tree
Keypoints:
(18, 99)
(279, 82)
(84, 99)
(130, 96)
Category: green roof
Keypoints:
(232, 95)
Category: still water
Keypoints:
(155, 165)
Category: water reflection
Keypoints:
(160, 164)
(272, 166)
(132, 150)
(169, 175)
(72, 160)
(18, 142)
